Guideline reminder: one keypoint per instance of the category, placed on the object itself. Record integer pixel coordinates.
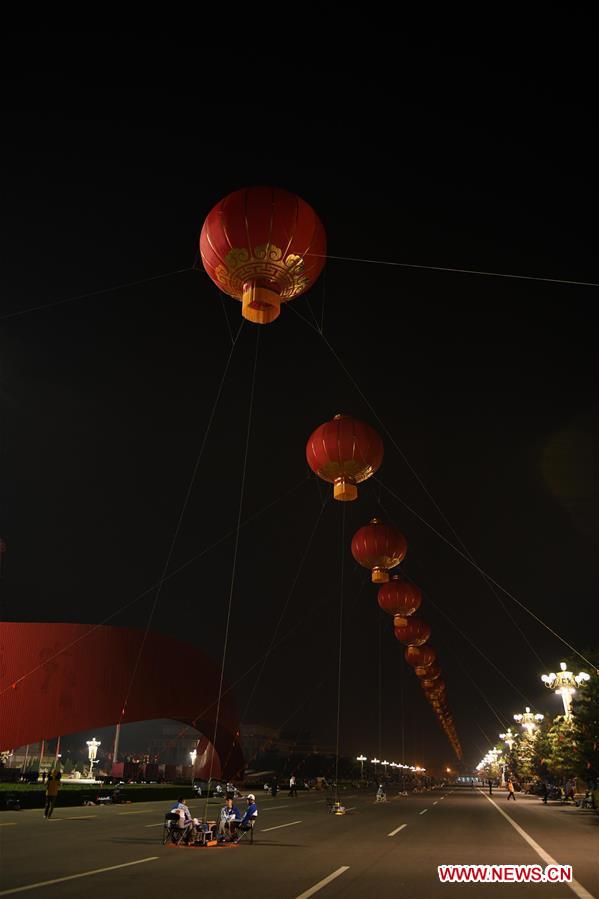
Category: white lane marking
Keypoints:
(351, 809)
(143, 811)
(74, 818)
(275, 807)
(322, 883)
(576, 887)
(47, 883)
(7, 823)
(160, 824)
(423, 812)
(435, 802)
(397, 829)
(264, 829)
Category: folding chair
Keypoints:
(249, 828)
(171, 831)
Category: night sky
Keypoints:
(118, 148)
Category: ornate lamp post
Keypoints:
(385, 765)
(361, 759)
(375, 762)
(508, 738)
(564, 683)
(92, 751)
(193, 756)
(528, 722)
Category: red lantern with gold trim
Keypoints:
(431, 671)
(379, 547)
(344, 452)
(399, 598)
(420, 656)
(263, 246)
(414, 632)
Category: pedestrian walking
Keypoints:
(544, 791)
(490, 787)
(510, 790)
(292, 786)
(52, 788)
(274, 787)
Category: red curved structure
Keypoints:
(64, 678)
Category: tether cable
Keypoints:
(234, 565)
(179, 523)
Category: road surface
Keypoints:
(381, 850)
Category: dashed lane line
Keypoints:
(423, 812)
(322, 883)
(278, 826)
(397, 829)
(47, 883)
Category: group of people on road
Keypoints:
(231, 823)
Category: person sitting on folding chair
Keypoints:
(247, 822)
(229, 815)
(185, 820)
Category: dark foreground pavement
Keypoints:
(376, 850)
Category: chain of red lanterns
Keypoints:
(265, 246)
(346, 452)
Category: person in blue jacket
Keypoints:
(251, 813)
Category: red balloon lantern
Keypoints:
(263, 246)
(414, 632)
(344, 452)
(420, 656)
(431, 672)
(399, 598)
(379, 547)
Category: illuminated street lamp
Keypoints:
(375, 762)
(566, 684)
(508, 738)
(361, 759)
(92, 752)
(193, 754)
(528, 722)
(385, 765)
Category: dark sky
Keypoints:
(481, 159)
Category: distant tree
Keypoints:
(68, 766)
(523, 757)
(585, 709)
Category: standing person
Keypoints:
(52, 788)
(274, 789)
(490, 787)
(510, 790)
(544, 791)
(292, 786)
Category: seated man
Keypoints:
(185, 822)
(250, 815)
(229, 814)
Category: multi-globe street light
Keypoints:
(566, 684)
(193, 754)
(92, 753)
(361, 759)
(528, 722)
(508, 738)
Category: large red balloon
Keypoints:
(263, 246)
(414, 633)
(344, 452)
(420, 656)
(399, 597)
(379, 547)
(430, 671)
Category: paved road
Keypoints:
(376, 850)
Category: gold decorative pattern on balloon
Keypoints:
(266, 263)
